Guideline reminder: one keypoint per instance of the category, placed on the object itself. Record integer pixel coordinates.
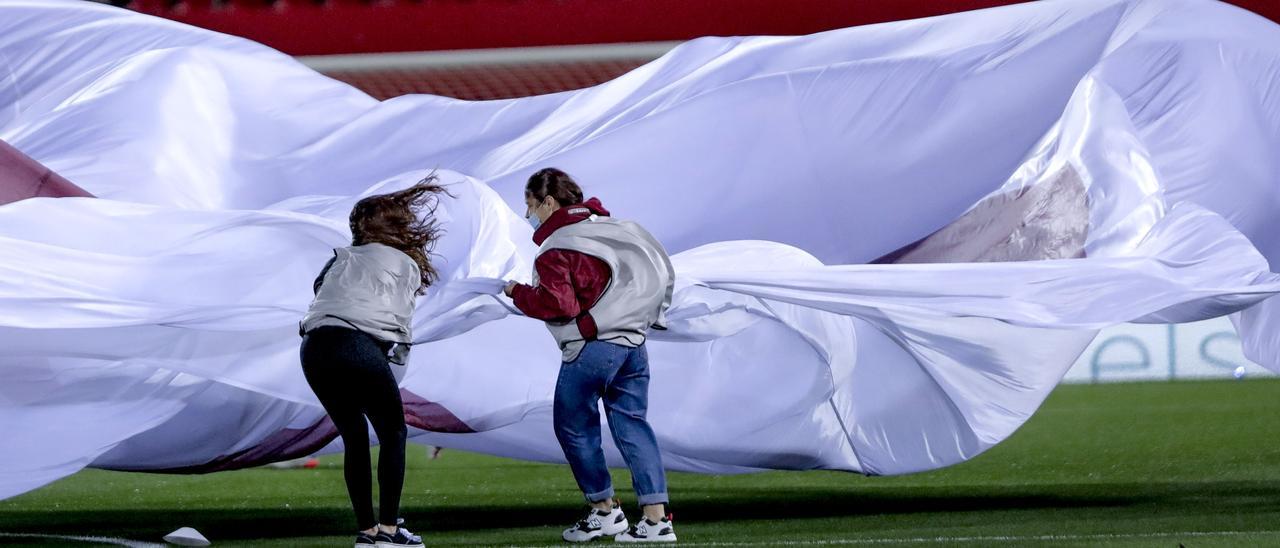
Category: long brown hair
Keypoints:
(404, 220)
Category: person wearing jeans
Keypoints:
(601, 330)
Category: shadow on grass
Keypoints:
(697, 506)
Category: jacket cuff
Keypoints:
(519, 295)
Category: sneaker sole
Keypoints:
(617, 529)
(633, 540)
(582, 541)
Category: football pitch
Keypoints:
(1151, 464)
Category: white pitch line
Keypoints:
(100, 540)
(974, 539)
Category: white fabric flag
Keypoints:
(890, 241)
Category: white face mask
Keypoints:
(532, 216)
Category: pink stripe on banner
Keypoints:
(22, 177)
(292, 443)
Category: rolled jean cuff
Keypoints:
(656, 498)
(601, 496)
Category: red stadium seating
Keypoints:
(316, 27)
(487, 81)
(320, 27)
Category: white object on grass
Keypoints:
(186, 536)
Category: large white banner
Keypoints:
(890, 241)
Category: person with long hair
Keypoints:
(600, 284)
(357, 327)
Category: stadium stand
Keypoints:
(518, 27)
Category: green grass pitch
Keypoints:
(1155, 464)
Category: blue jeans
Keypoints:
(620, 375)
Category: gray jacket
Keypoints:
(640, 284)
(371, 288)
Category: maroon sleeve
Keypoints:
(554, 299)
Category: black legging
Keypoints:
(349, 372)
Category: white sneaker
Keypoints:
(648, 531)
(598, 523)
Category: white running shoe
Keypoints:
(648, 531)
(598, 523)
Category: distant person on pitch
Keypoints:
(600, 324)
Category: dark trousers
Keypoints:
(349, 372)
